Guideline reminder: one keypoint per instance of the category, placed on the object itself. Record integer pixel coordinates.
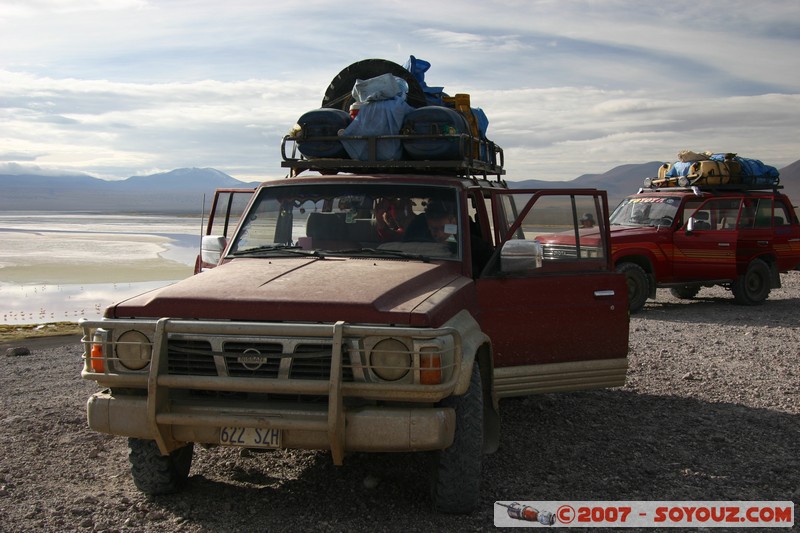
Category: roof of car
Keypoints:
(411, 179)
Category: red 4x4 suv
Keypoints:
(368, 305)
(689, 238)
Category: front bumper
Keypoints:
(176, 399)
(366, 429)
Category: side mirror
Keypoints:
(519, 255)
(211, 248)
(690, 226)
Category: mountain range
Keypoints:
(177, 191)
(184, 190)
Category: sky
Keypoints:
(117, 88)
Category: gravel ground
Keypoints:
(711, 411)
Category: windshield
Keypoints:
(354, 219)
(645, 211)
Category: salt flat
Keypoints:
(63, 266)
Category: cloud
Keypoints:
(16, 169)
(115, 87)
(473, 41)
(561, 133)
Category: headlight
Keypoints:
(390, 359)
(133, 350)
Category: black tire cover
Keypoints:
(339, 93)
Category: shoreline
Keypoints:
(38, 303)
(10, 333)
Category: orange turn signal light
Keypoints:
(430, 368)
(96, 358)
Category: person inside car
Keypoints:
(433, 224)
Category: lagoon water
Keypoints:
(65, 266)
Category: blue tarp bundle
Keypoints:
(418, 68)
(383, 107)
(751, 167)
(379, 117)
(679, 168)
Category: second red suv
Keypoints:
(688, 238)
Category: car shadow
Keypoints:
(717, 308)
(598, 445)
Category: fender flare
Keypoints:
(643, 258)
(476, 345)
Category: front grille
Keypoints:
(314, 362)
(558, 252)
(191, 358)
(252, 359)
(568, 252)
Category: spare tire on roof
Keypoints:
(339, 93)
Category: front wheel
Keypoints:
(638, 285)
(753, 287)
(457, 474)
(154, 473)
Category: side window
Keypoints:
(567, 229)
(764, 213)
(748, 216)
(781, 216)
(688, 210)
(717, 215)
(508, 214)
(226, 210)
(722, 213)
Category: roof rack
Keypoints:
(742, 183)
(712, 188)
(479, 157)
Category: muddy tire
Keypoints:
(638, 285)
(456, 483)
(685, 292)
(753, 287)
(154, 473)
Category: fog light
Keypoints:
(133, 350)
(390, 359)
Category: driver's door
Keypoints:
(562, 322)
(707, 249)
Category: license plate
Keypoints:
(250, 437)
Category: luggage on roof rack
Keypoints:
(716, 170)
(390, 130)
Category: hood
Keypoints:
(363, 290)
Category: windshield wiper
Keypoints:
(277, 249)
(379, 252)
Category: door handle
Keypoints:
(604, 293)
(724, 244)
